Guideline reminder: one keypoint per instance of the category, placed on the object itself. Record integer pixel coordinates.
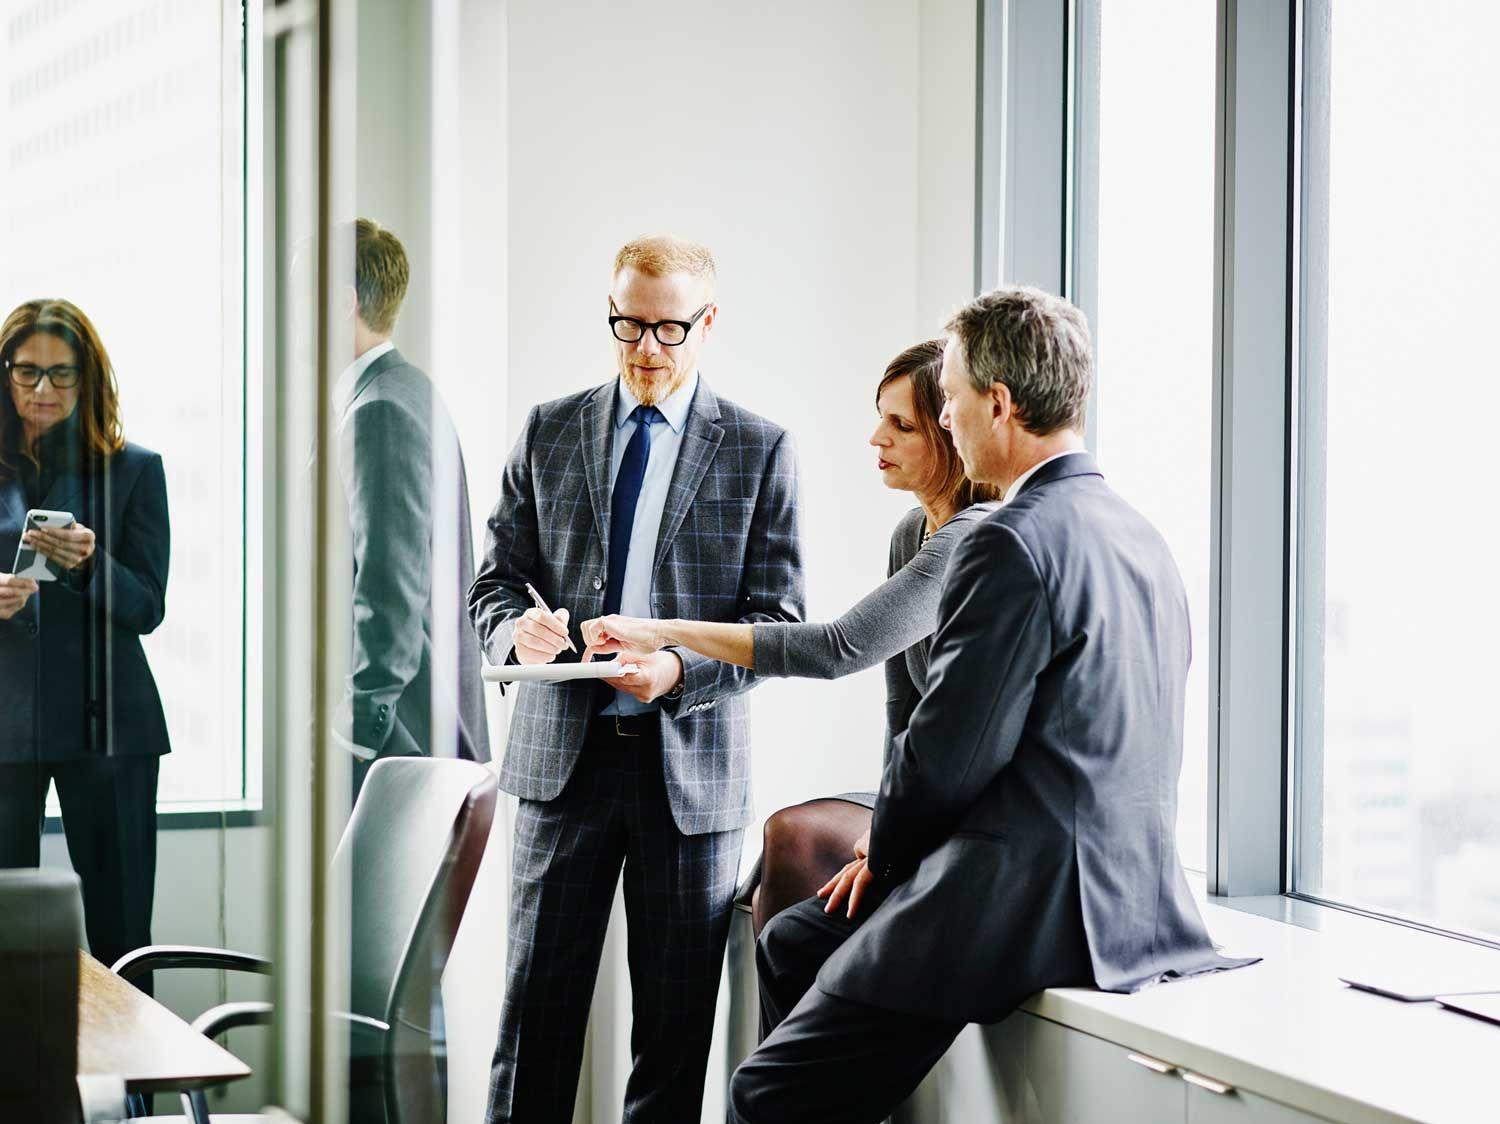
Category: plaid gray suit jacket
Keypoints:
(728, 550)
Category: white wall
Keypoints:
(825, 153)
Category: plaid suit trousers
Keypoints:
(672, 809)
(679, 896)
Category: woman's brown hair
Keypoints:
(98, 399)
(923, 364)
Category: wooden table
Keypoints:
(124, 1032)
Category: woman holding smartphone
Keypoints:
(80, 707)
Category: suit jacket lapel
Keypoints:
(700, 442)
(13, 499)
(63, 492)
(597, 422)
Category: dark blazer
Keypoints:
(1030, 808)
(75, 674)
(404, 480)
(728, 550)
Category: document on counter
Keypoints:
(556, 672)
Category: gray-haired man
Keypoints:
(651, 496)
(1030, 807)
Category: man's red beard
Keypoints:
(651, 388)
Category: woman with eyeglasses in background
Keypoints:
(79, 707)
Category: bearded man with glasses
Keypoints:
(653, 497)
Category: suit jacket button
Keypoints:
(598, 582)
(31, 628)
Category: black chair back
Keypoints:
(409, 857)
(41, 931)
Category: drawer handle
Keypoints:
(1207, 1083)
(1155, 1065)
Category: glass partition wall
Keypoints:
(235, 539)
(127, 752)
(379, 244)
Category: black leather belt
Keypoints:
(623, 727)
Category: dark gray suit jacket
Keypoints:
(76, 681)
(403, 477)
(1029, 810)
(728, 549)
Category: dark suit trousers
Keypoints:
(109, 818)
(826, 1059)
(679, 893)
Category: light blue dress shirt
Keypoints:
(666, 441)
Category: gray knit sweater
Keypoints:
(894, 622)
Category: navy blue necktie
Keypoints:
(622, 503)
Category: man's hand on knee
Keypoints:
(850, 883)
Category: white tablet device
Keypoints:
(31, 563)
(556, 672)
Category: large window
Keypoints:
(123, 192)
(1399, 755)
(1154, 318)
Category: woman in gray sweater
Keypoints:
(806, 844)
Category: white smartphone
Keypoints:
(31, 563)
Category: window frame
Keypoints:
(238, 205)
(1036, 219)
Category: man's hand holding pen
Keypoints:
(540, 635)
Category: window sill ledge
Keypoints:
(1289, 1030)
(195, 816)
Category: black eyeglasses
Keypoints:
(62, 377)
(669, 333)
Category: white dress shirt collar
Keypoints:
(349, 379)
(1020, 482)
(674, 408)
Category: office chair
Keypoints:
(41, 931)
(408, 857)
(805, 846)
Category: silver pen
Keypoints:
(536, 599)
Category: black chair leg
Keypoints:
(195, 1107)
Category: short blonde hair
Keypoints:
(660, 255)
(381, 275)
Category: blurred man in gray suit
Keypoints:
(414, 687)
(1025, 832)
(650, 496)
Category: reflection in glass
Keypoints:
(413, 688)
